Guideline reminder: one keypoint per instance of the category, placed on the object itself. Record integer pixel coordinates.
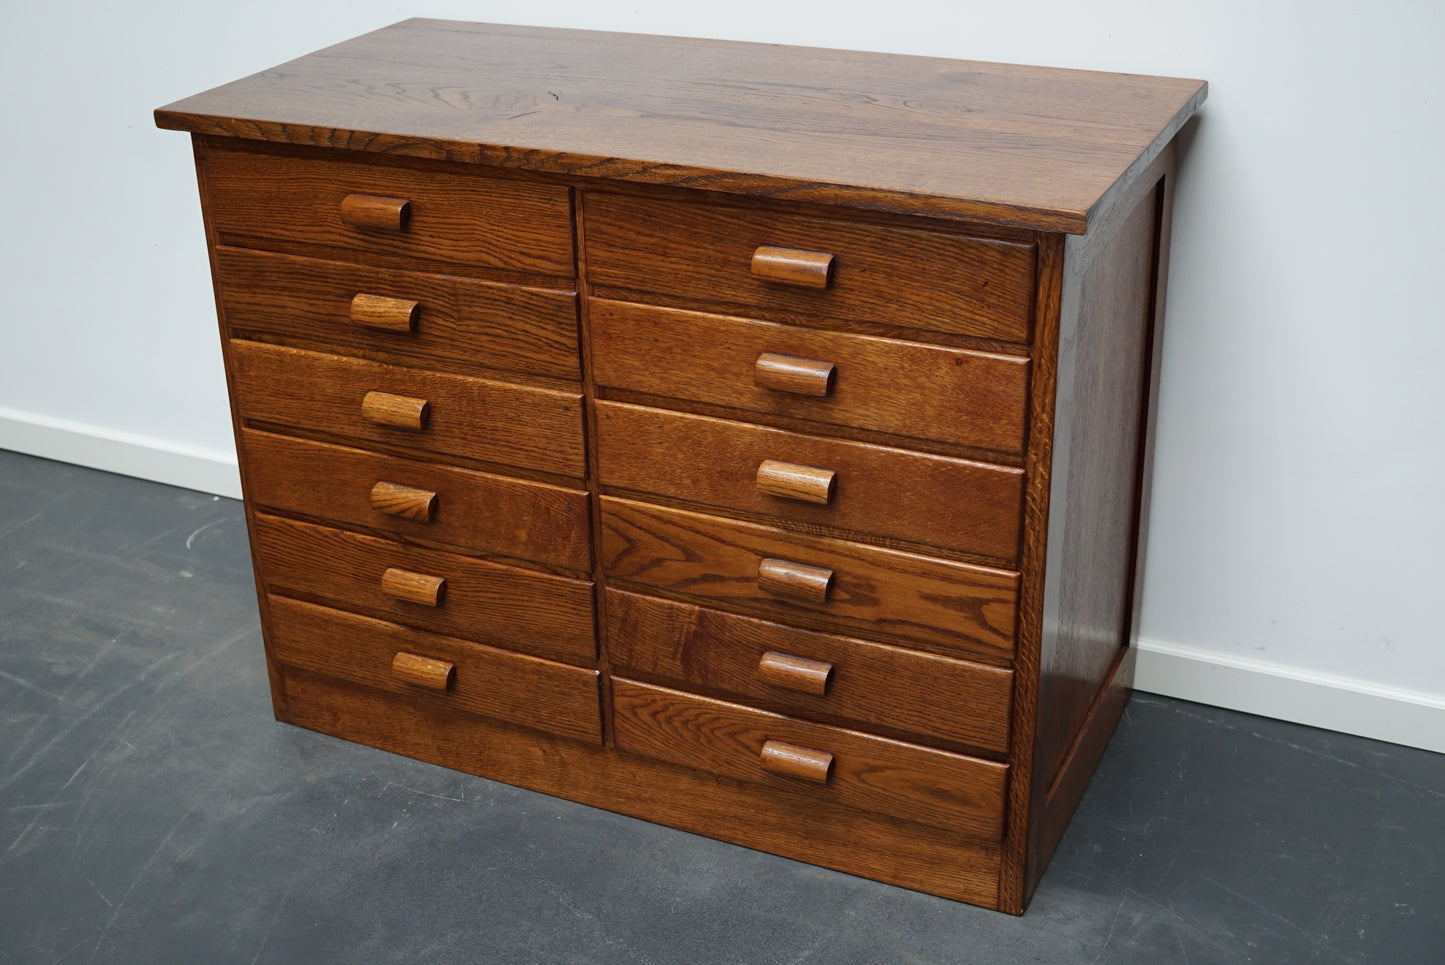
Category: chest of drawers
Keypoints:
(749, 439)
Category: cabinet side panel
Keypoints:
(1106, 374)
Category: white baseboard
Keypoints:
(1335, 703)
(190, 467)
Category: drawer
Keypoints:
(458, 321)
(968, 507)
(465, 219)
(880, 275)
(469, 510)
(451, 415)
(482, 680)
(938, 605)
(908, 389)
(546, 616)
(838, 766)
(816, 676)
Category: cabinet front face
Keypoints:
(671, 462)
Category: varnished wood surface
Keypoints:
(967, 507)
(1027, 146)
(494, 683)
(504, 606)
(461, 323)
(907, 389)
(479, 419)
(789, 373)
(424, 589)
(885, 275)
(385, 313)
(949, 791)
(937, 605)
(474, 510)
(882, 689)
(398, 278)
(904, 853)
(1092, 607)
(464, 218)
(422, 671)
(789, 266)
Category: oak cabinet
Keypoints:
(745, 438)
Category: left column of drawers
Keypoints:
(401, 341)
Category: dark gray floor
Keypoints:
(153, 812)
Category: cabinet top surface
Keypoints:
(1027, 146)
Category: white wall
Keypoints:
(1298, 510)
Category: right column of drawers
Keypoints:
(809, 436)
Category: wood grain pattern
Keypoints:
(907, 389)
(1023, 804)
(481, 419)
(404, 502)
(854, 208)
(422, 671)
(503, 606)
(475, 511)
(856, 842)
(1096, 498)
(702, 253)
(395, 411)
(457, 217)
(941, 606)
(370, 211)
(494, 683)
(788, 373)
(788, 266)
(967, 507)
(795, 581)
(461, 322)
(385, 313)
(950, 791)
(801, 762)
(788, 480)
(1026, 146)
(882, 689)
(420, 588)
(792, 672)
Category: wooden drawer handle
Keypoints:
(788, 480)
(794, 761)
(400, 411)
(414, 587)
(374, 211)
(788, 373)
(807, 269)
(423, 671)
(404, 501)
(796, 580)
(795, 673)
(386, 314)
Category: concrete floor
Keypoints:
(152, 811)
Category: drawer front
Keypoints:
(458, 321)
(969, 507)
(816, 676)
(868, 773)
(516, 609)
(470, 510)
(451, 415)
(906, 389)
(483, 680)
(465, 219)
(935, 604)
(881, 275)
